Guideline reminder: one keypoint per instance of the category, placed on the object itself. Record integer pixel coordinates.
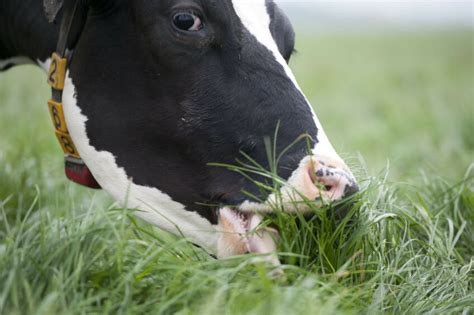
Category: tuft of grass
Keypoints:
(413, 248)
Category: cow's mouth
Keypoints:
(241, 233)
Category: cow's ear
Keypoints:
(51, 9)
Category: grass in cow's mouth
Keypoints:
(404, 247)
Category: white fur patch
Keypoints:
(254, 16)
(44, 64)
(154, 206)
(15, 61)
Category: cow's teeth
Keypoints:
(240, 234)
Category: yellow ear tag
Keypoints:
(67, 144)
(57, 116)
(62, 133)
(57, 72)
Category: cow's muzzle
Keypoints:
(321, 177)
(318, 178)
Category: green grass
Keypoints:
(405, 246)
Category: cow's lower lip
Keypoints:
(255, 239)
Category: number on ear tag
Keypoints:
(67, 145)
(57, 116)
(57, 72)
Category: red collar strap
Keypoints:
(76, 170)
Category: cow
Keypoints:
(156, 93)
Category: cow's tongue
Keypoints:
(259, 241)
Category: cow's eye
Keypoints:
(187, 21)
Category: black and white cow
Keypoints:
(158, 90)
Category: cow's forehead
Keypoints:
(255, 18)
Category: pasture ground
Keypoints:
(398, 105)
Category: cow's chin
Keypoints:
(239, 233)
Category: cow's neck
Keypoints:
(25, 32)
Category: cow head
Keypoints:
(159, 90)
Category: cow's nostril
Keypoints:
(331, 180)
(351, 190)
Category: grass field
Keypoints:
(398, 106)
